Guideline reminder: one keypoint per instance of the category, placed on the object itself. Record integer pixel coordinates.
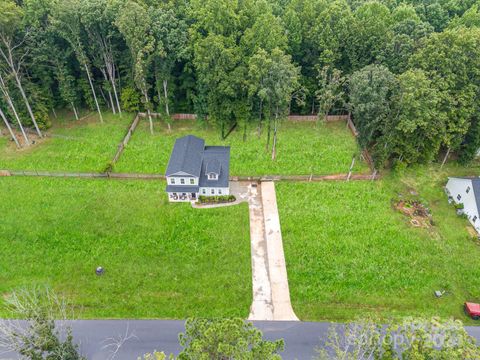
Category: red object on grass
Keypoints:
(472, 310)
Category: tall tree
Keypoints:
(171, 46)
(97, 17)
(370, 34)
(66, 20)
(135, 25)
(12, 49)
(6, 94)
(371, 92)
(416, 129)
(277, 79)
(330, 90)
(10, 130)
(451, 59)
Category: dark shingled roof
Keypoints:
(212, 167)
(221, 155)
(476, 192)
(186, 156)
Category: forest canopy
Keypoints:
(407, 71)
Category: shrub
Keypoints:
(130, 99)
(216, 199)
(459, 206)
(219, 339)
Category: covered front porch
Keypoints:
(183, 196)
(179, 193)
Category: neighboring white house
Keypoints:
(466, 191)
(195, 169)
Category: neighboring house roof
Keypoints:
(218, 159)
(186, 157)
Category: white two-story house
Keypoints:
(466, 191)
(195, 169)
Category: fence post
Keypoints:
(351, 168)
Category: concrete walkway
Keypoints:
(262, 306)
(282, 307)
(271, 295)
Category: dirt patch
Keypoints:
(472, 232)
(32, 137)
(418, 213)
(87, 119)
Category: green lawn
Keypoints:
(303, 148)
(162, 260)
(86, 145)
(349, 253)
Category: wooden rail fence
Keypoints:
(124, 142)
(138, 176)
(292, 117)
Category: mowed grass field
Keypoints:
(161, 260)
(303, 148)
(84, 146)
(349, 253)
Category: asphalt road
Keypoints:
(96, 337)
(301, 338)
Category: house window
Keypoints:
(219, 191)
(468, 189)
(172, 181)
(474, 218)
(192, 181)
(213, 191)
(204, 191)
(182, 181)
(459, 197)
(212, 176)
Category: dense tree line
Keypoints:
(408, 71)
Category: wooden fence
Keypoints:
(303, 117)
(135, 176)
(329, 118)
(184, 117)
(124, 142)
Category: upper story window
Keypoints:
(192, 181)
(212, 176)
(459, 197)
(468, 189)
(172, 180)
(182, 181)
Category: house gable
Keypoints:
(181, 174)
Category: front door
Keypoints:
(194, 196)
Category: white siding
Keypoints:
(207, 191)
(458, 187)
(178, 180)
